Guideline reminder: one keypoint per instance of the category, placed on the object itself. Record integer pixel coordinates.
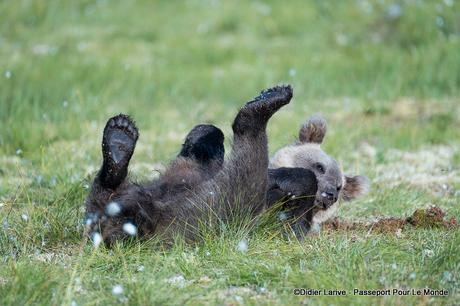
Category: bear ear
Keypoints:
(313, 130)
(355, 187)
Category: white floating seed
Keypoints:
(130, 229)
(112, 209)
(282, 216)
(242, 246)
(117, 290)
(97, 239)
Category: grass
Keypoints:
(386, 75)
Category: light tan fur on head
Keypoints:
(332, 183)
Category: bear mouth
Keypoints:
(323, 203)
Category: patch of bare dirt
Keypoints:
(432, 217)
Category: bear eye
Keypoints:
(339, 188)
(319, 167)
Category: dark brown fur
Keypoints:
(187, 194)
(293, 190)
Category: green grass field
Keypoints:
(386, 76)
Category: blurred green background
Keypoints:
(65, 64)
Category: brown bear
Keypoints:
(198, 188)
(306, 153)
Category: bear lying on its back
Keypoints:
(199, 183)
(196, 186)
